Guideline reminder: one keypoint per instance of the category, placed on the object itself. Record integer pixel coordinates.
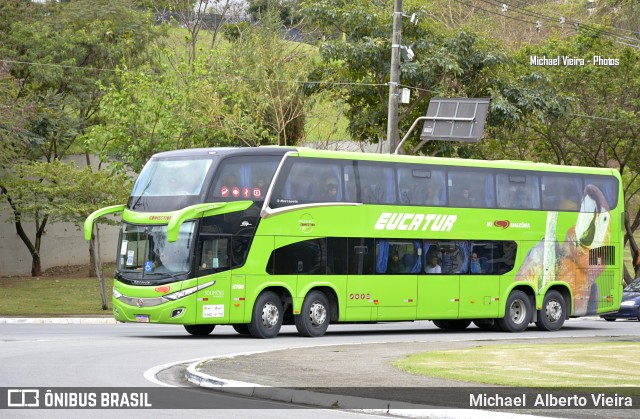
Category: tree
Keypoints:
(223, 98)
(57, 53)
(589, 116)
(45, 192)
(447, 63)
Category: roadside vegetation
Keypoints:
(122, 80)
(534, 365)
(61, 291)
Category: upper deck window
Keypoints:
(244, 177)
(171, 177)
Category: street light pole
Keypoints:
(394, 77)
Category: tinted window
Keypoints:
(376, 182)
(309, 180)
(308, 257)
(471, 189)
(398, 257)
(607, 185)
(361, 256)
(241, 178)
(519, 191)
(561, 193)
(420, 185)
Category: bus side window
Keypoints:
(561, 193)
(214, 254)
(361, 256)
(337, 255)
(608, 186)
(471, 189)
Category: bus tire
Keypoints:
(314, 317)
(452, 324)
(199, 329)
(243, 329)
(517, 314)
(553, 313)
(266, 320)
(485, 324)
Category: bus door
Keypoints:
(489, 262)
(398, 263)
(361, 294)
(213, 263)
(439, 282)
(382, 284)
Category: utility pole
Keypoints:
(394, 78)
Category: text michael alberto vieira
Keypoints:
(546, 400)
(564, 60)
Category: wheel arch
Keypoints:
(332, 296)
(566, 295)
(284, 293)
(524, 287)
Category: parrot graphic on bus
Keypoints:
(568, 260)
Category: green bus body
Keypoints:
(509, 253)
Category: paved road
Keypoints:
(107, 355)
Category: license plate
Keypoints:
(142, 318)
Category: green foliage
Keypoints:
(222, 98)
(286, 10)
(455, 63)
(62, 192)
(57, 296)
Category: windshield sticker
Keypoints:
(130, 254)
(414, 222)
(123, 248)
(148, 266)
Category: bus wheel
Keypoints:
(485, 324)
(199, 329)
(314, 317)
(243, 329)
(552, 315)
(517, 315)
(267, 316)
(452, 324)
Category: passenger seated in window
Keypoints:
(521, 199)
(394, 266)
(432, 265)
(465, 200)
(568, 202)
(507, 260)
(330, 191)
(431, 198)
(476, 267)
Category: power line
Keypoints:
(554, 19)
(537, 23)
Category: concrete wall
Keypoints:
(62, 244)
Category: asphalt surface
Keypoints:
(362, 376)
(355, 376)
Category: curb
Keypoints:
(334, 401)
(58, 320)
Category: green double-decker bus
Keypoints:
(260, 237)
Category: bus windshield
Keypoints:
(162, 177)
(146, 253)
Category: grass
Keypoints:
(606, 364)
(53, 296)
